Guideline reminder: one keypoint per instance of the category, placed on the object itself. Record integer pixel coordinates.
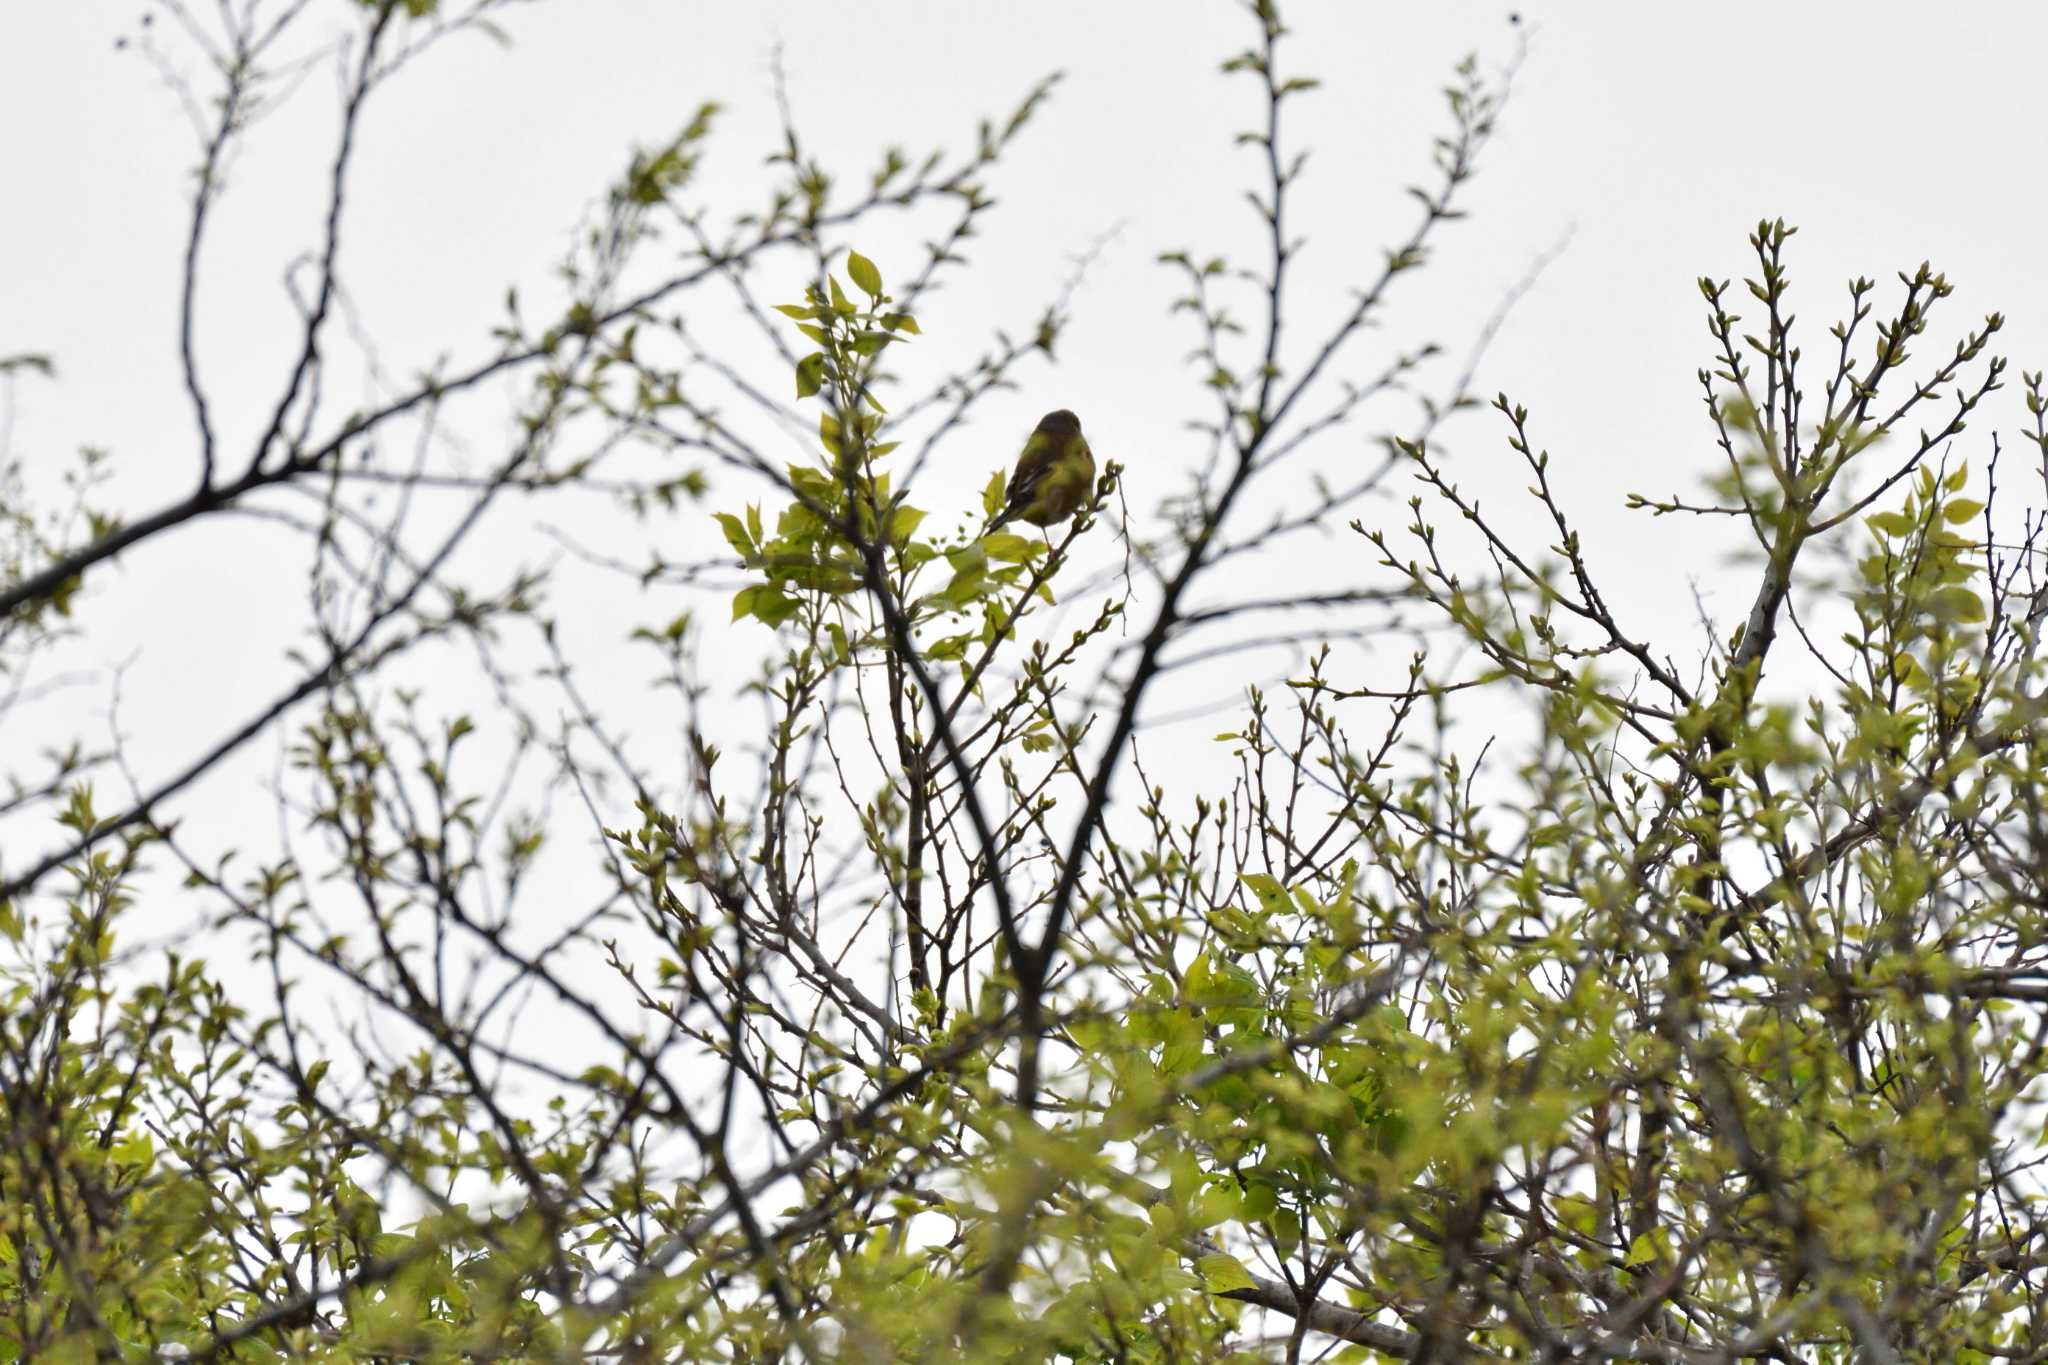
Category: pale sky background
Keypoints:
(1656, 135)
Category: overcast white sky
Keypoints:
(1656, 134)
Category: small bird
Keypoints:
(1053, 477)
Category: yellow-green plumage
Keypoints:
(1054, 475)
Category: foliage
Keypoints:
(1693, 1015)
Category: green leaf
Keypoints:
(1010, 548)
(1272, 895)
(1961, 510)
(772, 606)
(1223, 1273)
(969, 558)
(966, 587)
(735, 533)
(1959, 605)
(1219, 1202)
(903, 522)
(863, 273)
(810, 375)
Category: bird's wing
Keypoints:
(1032, 467)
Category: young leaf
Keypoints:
(863, 273)
(810, 375)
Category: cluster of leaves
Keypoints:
(844, 530)
(1693, 1015)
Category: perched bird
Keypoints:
(1053, 477)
